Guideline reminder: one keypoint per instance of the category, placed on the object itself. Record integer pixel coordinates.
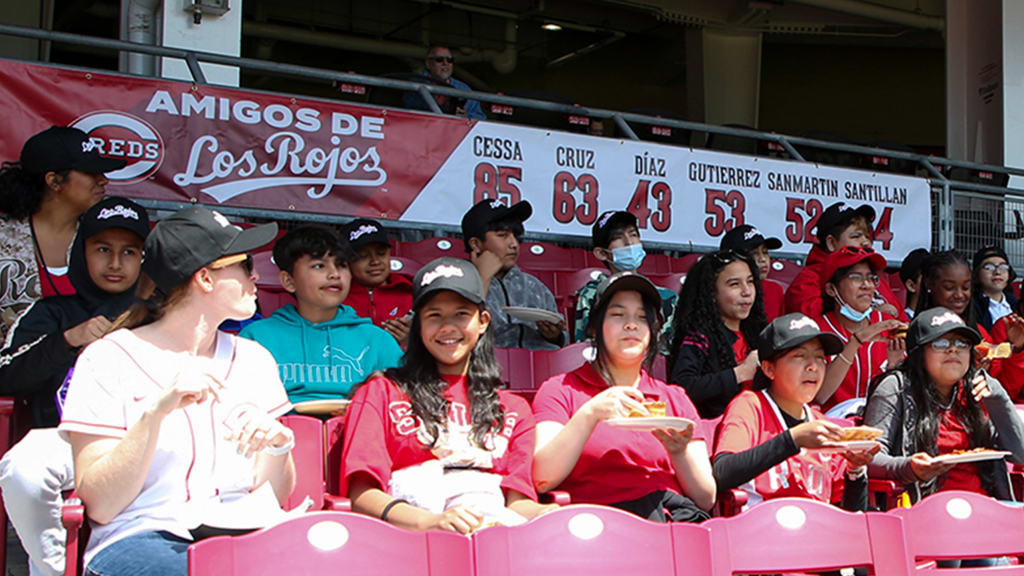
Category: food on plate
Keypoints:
(859, 434)
(990, 352)
(656, 409)
(900, 332)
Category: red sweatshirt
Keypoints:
(1009, 371)
(804, 294)
(390, 300)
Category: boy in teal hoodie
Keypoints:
(323, 349)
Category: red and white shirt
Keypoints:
(119, 376)
(871, 358)
(616, 465)
(752, 419)
(383, 435)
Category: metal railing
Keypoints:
(961, 217)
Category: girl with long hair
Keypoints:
(663, 474)
(936, 403)
(434, 444)
(719, 314)
(165, 375)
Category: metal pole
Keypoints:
(624, 127)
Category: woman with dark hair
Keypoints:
(662, 475)
(946, 281)
(772, 442)
(848, 282)
(936, 403)
(434, 444)
(718, 316)
(138, 395)
(57, 178)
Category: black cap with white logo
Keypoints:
(485, 212)
(604, 225)
(114, 212)
(840, 213)
(455, 274)
(189, 239)
(789, 331)
(60, 148)
(935, 323)
(359, 233)
(746, 238)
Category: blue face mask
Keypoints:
(628, 257)
(850, 313)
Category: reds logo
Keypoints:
(120, 135)
(946, 317)
(444, 271)
(803, 322)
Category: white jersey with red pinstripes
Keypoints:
(117, 377)
(870, 360)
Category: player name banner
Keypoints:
(231, 147)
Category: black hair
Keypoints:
(837, 230)
(612, 233)
(594, 326)
(313, 240)
(507, 225)
(22, 193)
(697, 310)
(931, 273)
(418, 377)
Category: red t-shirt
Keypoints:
(774, 299)
(383, 435)
(1009, 371)
(870, 360)
(751, 419)
(616, 465)
(953, 436)
(388, 301)
(54, 284)
(739, 353)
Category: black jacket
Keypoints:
(36, 358)
(980, 303)
(698, 368)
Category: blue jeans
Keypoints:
(145, 554)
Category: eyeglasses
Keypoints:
(943, 344)
(440, 59)
(857, 278)
(994, 267)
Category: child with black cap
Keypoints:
(491, 231)
(616, 243)
(938, 402)
(993, 297)
(748, 240)
(377, 293)
(772, 442)
(436, 444)
(910, 276)
(839, 225)
(40, 352)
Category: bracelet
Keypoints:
(857, 473)
(392, 504)
(281, 450)
(845, 359)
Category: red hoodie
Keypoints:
(392, 299)
(1009, 371)
(804, 294)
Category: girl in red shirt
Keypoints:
(718, 315)
(662, 474)
(434, 444)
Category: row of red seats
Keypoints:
(784, 535)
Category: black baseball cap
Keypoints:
(601, 231)
(114, 212)
(988, 252)
(189, 239)
(935, 323)
(359, 233)
(60, 148)
(789, 331)
(486, 212)
(627, 280)
(455, 274)
(841, 213)
(745, 238)
(911, 267)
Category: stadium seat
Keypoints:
(308, 455)
(326, 542)
(334, 436)
(799, 534)
(269, 292)
(548, 363)
(656, 265)
(546, 256)
(955, 524)
(593, 540)
(784, 271)
(671, 281)
(426, 250)
(683, 264)
(406, 266)
(897, 286)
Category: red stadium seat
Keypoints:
(327, 542)
(799, 534)
(406, 266)
(783, 271)
(656, 265)
(308, 455)
(671, 281)
(954, 524)
(269, 292)
(334, 432)
(548, 363)
(897, 287)
(592, 540)
(545, 256)
(426, 250)
(683, 264)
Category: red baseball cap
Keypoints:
(848, 256)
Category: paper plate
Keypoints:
(532, 314)
(320, 407)
(648, 424)
(971, 457)
(852, 446)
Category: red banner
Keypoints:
(185, 142)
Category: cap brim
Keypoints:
(635, 282)
(98, 165)
(973, 335)
(867, 212)
(252, 238)
(830, 343)
(520, 211)
(467, 294)
(772, 243)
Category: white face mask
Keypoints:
(848, 311)
(628, 257)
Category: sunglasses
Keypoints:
(726, 256)
(441, 59)
(943, 344)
